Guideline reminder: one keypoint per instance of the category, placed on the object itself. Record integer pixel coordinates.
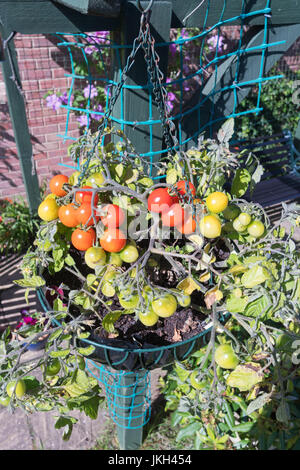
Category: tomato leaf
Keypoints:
(254, 276)
(110, 319)
(240, 182)
(245, 376)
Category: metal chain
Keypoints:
(145, 41)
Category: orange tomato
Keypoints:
(113, 240)
(56, 185)
(84, 214)
(82, 240)
(174, 216)
(188, 225)
(67, 215)
(184, 187)
(86, 196)
(114, 216)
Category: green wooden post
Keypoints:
(130, 407)
(17, 111)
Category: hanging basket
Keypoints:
(122, 355)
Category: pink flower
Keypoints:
(26, 319)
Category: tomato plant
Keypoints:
(179, 266)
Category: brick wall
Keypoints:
(42, 67)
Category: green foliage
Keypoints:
(17, 226)
(279, 110)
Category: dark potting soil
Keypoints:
(182, 325)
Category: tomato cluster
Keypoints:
(243, 223)
(181, 213)
(83, 213)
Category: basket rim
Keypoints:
(46, 306)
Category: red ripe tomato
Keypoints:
(183, 187)
(67, 215)
(82, 240)
(56, 185)
(160, 200)
(188, 225)
(114, 216)
(174, 216)
(84, 214)
(86, 196)
(113, 240)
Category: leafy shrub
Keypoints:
(17, 226)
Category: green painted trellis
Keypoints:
(217, 99)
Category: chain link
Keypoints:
(145, 41)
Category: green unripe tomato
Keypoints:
(129, 254)
(238, 226)
(210, 226)
(96, 179)
(231, 212)
(53, 367)
(256, 228)
(115, 259)
(244, 218)
(19, 387)
(108, 289)
(149, 318)
(4, 401)
(184, 300)
(73, 179)
(95, 256)
(128, 300)
(225, 357)
(165, 306)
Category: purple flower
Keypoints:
(64, 98)
(53, 101)
(99, 37)
(173, 49)
(90, 49)
(90, 91)
(184, 34)
(171, 98)
(83, 120)
(215, 41)
(97, 117)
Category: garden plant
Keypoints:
(123, 257)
